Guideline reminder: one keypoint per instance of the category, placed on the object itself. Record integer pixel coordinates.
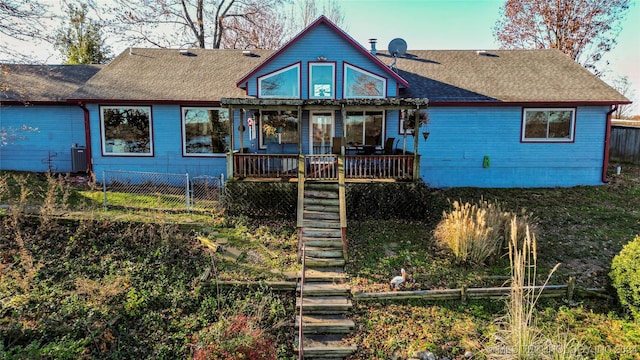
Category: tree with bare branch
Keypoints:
(583, 29)
(304, 12)
(197, 23)
(22, 20)
(624, 86)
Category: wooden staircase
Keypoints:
(325, 295)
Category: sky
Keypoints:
(468, 25)
(443, 25)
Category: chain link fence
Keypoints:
(274, 200)
(161, 191)
(277, 200)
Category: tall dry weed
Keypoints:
(519, 337)
(56, 200)
(27, 268)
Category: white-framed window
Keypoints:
(364, 128)
(278, 127)
(205, 131)
(126, 130)
(322, 80)
(281, 84)
(548, 125)
(361, 84)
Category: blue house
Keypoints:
(504, 118)
(35, 97)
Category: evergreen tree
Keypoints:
(81, 42)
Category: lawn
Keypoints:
(81, 282)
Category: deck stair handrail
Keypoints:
(301, 326)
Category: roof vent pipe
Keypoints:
(373, 42)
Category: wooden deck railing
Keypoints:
(321, 167)
(265, 166)
(398, 167)
(324, 167)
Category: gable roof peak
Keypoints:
(324, 20)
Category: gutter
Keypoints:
(607, 144)
(87, 136)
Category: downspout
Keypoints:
(87, 136)
(607, 143)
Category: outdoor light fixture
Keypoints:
(322, 58)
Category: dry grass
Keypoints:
(476, 233)
(518, 336)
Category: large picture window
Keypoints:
(205, 130)
(543, 125)
(362, 84)
(126, 130)
(322, 80)
(278, 128)
(282, 84)
(364, 128)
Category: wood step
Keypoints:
(326, 347)
(322, 194)
(320, 215)
(321, 201)
(326, 224)
(312, 261)
(325, 324)
(334, 275)
(325, 305)
(322, 242)
(316, 185)
(324, 289)
(322, 233)
(329, 209)
(324, 252)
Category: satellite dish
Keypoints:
(397, 47)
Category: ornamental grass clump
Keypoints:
(518, 336)
(476, 233)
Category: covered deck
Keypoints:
(355, 161)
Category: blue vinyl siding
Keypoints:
(461, 137)
(322, 41)
(59, 128)
(167, 145)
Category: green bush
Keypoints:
(625, 274)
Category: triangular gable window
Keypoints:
(281, 84)
(362, 84)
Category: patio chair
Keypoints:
(336, 146)
(388, 146)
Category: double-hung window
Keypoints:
(548, 125)
(126, 130)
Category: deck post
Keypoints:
(343, 204)
(230, 173)
(300, 208)
(416, 155)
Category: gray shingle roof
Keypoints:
(169, 75)
(500, 75)
(42, 83)
(441, 75)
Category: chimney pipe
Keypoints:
(373, 42)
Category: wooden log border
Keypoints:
(463, 294)
(549, 291)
